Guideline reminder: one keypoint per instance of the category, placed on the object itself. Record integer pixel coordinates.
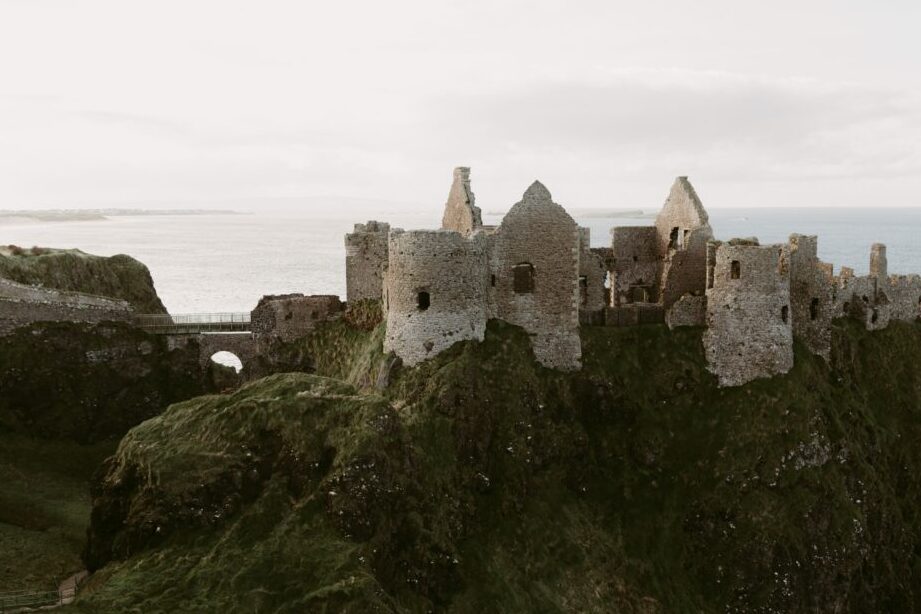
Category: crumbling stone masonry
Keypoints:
(435, 292)
(461, 214)
(535, 265)
(288, 317)
(538, 270)
(749, 323)
(593, 275)
(812, 295)
(683, 230)
(365, 261)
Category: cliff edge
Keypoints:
(120, 276)
(481, 481)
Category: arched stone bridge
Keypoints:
(213, 332)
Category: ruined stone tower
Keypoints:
(461, 214)
(365, 260)
(749, 324)
(435, 292)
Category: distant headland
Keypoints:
(8, 217)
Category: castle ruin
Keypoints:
(537, 270)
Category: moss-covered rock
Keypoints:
(90, 382)
(118, 276)
(480, 481)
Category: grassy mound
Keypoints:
(117, 277)
(479, 481)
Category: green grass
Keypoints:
(117, 276)
(480, 481)
(44, 509)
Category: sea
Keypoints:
(209, 263)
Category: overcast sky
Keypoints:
(761, 103)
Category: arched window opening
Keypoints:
(785, 314)
(523, 278)
(492, 281)
(583, 290)
(227, 359)
(874, 317)
(684, 239)
(423, 300)
(814, 309)
(735, 270)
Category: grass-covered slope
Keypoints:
(480, 481)
(44, 508)
(117, 276)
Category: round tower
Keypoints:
(434, 292)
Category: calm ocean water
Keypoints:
(206, 263)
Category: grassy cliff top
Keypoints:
(117, 276)
(480, 481)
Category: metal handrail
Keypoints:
(164, 323)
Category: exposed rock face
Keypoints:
(479, 475)
(749, 327)
(461, 214)
(90, 382)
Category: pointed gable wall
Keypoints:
(683, 230)
(539, 238)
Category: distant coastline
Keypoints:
(95, 215)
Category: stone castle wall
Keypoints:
(365, 260)
(812, 295)
(683, 231)
(749, 324)
(291, 316)
(592, 274)
(635, 265)
(539, 234)
(461, 213)
(435, 292)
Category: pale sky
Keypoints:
(781, 103)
